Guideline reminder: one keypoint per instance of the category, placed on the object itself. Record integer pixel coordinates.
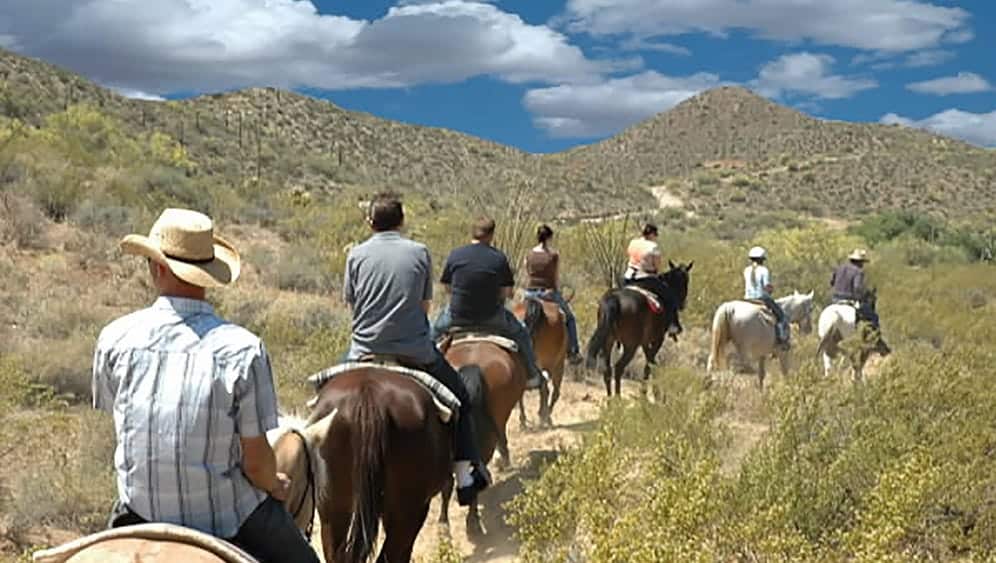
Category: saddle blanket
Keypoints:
(652, 301)
(765, 311)
(148, 532)
(446, 402)
(469, 337)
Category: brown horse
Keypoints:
(545, 322)
(496, 380)
(625, 318)
(387, 454)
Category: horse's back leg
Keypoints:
(554, 396)
(444, 501)
(401, 525)
(624, 360)
(761, 372)
(523, 421)
(650, 351)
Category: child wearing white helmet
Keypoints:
(757, 286)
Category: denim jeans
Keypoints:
(865, 312)
(269, 534)
(776, 309)
(573, 347)
(503, 323)
(465, 446)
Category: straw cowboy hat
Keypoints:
(859, 255)
(184, 241)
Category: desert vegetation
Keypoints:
(897, 468)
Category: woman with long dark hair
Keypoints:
(543, 268)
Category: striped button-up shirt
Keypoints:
(184, 386)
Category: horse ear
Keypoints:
(671, 264)
(812, 292)
(689, 267)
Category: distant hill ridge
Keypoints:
(790, 162)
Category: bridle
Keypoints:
(310, 476)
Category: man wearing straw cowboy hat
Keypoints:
(192, 398)
(848, 283)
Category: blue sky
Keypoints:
(542, 75)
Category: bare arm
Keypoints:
(260, 466)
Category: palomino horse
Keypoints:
(838, 322)
(545, 322)
(295, 447)
(387, 454)
(496, 380)
(624, 317)
(751, 328)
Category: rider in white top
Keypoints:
(757, 285)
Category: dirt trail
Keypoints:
(575, 413)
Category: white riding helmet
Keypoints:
(757, 252)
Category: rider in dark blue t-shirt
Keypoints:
(479, 280)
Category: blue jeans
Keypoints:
(781, 319)
(503, 323)
(573, 346)
(865, 312)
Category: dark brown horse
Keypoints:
(625, 318)
(545, 322)
(495, 380)
(387, 454)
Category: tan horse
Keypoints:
(545, 322)
(295, 446)
(496, 380)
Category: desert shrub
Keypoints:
(742, 181)
(22, 222)
(69, 483)
(645, 486)
(303, 268)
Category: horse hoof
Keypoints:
(474, 530)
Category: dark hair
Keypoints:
(483, 228)
(386, 212)
(544, 233)
(649, 229)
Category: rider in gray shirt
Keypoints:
(388, 286)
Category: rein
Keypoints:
(310, 476)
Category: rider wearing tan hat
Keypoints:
(848, 283)
(192, 397)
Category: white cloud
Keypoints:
(962, 83)
(807, 74)
(643, 44)
(928, 58)
(138, 95)
(978, 128)
(594, 110)
(885, 25)
(180, 45)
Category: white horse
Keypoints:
(838, 322)
(751, 328)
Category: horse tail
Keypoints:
(534, 315)
(609, 311)
(473, 379)
(370, 442)
(720, 336)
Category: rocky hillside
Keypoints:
(724, 152)
(729, 148)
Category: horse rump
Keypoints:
(370, 422)
(534, 315)
(609, 311)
